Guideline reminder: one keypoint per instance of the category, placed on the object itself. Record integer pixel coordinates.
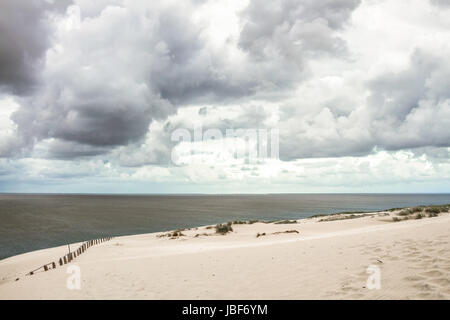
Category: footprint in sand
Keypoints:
(433, 296)
(348, 289)
(410, 255)
(394, 258)
(442, 282)
(432, 273)
(424, 287)
(414, 278)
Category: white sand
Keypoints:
(326, 260)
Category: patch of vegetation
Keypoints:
(318, 215)
(394, 209)
(345, 217)
(224, 228)
(436, 209)
(338, 213)
(405, 212)
(245, 222)
(422, 212)
(286, 222)
(172, 235)
(409, 211)
(288, 231)
(430, 208)
(260, 234)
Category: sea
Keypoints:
(31, 222)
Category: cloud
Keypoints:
(108, 76)
(292, 29)
(405, 109)
(441, 3)
(352, 86)
(26, 33)
(106, 81)
(411, 109)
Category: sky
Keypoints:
(130, 96)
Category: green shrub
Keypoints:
(433, 210)
(405, 212)
(224, 228)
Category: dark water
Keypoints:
(32, 222)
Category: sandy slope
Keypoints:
(325, 260)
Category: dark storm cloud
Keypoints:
(191, 72)
(66, 150)
(128, 65)
(124, 68)
(24, 39)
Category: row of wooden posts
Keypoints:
(71, 255)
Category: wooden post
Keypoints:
(60, 262)
(65, 259)
(53, 265)
(45, 268)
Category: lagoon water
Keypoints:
(35, 221)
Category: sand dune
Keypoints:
(305, 260)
